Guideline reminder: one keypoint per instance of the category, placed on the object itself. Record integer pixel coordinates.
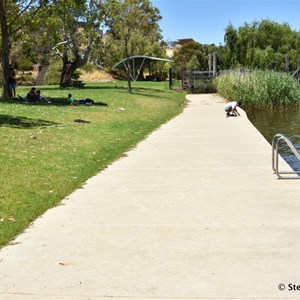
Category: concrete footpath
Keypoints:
(193, 212)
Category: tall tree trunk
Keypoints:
(128, 68)
(6, 92)
(128, 76)
(67, 72)
(66, 76)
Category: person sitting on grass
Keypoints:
(39, 97)
(230, 109)
(71, 100)
(32, 96)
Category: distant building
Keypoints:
(169, 51)
(182, 42)
(172, 45)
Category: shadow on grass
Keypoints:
(23, 122)
(110, 86)
(87, 87)
(53, 101)
(136, 92)
(49, 102)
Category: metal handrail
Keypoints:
(275, 141)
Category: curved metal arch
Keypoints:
(138, 62)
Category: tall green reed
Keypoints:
(259, 89)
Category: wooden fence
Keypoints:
(196, 80)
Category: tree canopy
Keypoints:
(258, 44)
(129, 20)
(71, 29)
(74, 27)
(193, 57)
(32, 30)
(261, 44)
(14, 16)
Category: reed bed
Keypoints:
(259, 89)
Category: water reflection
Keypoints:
(286, 122)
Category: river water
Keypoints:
(286, 122)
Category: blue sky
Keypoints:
(205, 20)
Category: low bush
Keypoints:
(54, 72)
(26, 79)
(259, 89)
(207, 88)
(88, 67)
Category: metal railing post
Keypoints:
(275, 153)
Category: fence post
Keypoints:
(214, 65)
(191, 84)
(287, 63)
(209, 63)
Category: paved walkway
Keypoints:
(193, 212)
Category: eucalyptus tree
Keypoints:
(14, 16)
(191, 56)
(113, 49)
(68, 29)
(127, 19)
(80, 29)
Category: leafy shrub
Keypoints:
(207, 88)
(54, 72)
(25, 64)
(26, 79)
(259, 89)
(76, 74)
(88, 68)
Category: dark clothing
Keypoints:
(12, 83)
(32, 96)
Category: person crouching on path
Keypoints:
(231, 109)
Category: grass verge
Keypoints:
(46, 154)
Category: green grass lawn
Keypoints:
(45, 154)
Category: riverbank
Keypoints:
(194, 211)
